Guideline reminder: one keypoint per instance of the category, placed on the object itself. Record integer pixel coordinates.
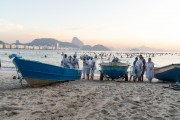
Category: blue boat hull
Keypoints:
(169, 73)
(44, 73)
(114, 71)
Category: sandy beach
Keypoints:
(90, 100)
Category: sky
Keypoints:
(114, 23)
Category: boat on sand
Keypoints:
(169, 73)
(40, 74)
(113, 70)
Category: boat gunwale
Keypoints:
(42, 72)
(157, 68)
(46, 64)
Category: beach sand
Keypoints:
(90, 100)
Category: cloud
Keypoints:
(6, 26)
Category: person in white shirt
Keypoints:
(64, 61)
(75, 62)
(70, 62)
(139, 67)
(149, 70)
(93, 67)
(84, 68)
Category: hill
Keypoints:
(1, 42)
(51, 42)
(77, 42)
(95, 48)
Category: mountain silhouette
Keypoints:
(77, 42)
(50, 42)
(1, 42)
(95, 48)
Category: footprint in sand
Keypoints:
(173, 111)
(11, 113)
(105, 112)
(36, 112)
(116, 99)
(159, 118)
(53, 104)
(39, 103)
(7, 108)
(139, 118)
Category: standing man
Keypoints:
(93, 67)
(143, 69)
(139, 67)
(88, 63)
(75, 62)
(64, 61)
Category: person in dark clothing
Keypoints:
(143, 69)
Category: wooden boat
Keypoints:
(113, 70)
(40, 74)
(169, 73)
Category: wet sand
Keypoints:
(90, 100)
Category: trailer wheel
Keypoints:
(101, 76)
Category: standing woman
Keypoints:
(84, 67)
(134, 71)
(149, 70)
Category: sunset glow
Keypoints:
(113, 23)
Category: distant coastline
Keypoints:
(53, 44)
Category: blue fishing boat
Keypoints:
(40, 74)
(169, 73)
(113, 70)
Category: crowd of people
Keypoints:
(140, 66)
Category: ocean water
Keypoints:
(54, 57)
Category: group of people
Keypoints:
(89, 66)
(140, 66)
(70, 62)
